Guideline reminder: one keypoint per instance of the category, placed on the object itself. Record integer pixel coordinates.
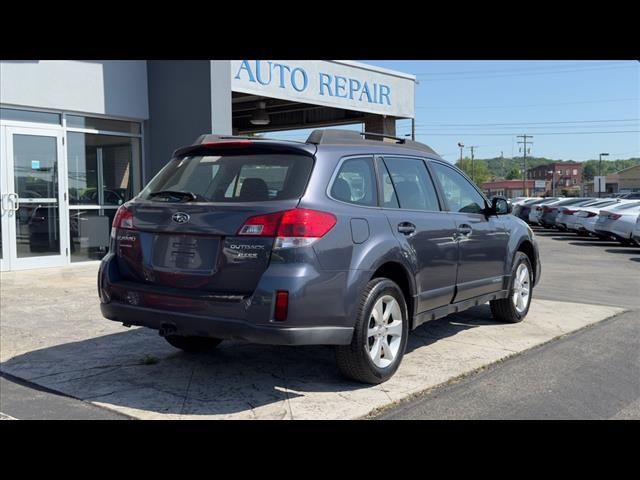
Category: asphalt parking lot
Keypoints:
(53, 336)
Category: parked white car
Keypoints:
(636, 231)
(585, 218)
(618, 222)
(536, 212)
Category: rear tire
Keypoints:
(515, 307)
(379, 336)
(192, 344)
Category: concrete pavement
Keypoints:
(52, 334)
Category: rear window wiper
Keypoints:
(188, 196)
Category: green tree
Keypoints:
(514, 174)
(479, 173)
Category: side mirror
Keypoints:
(500, 206)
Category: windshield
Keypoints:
(231, 178)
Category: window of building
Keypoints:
(29, 116)
(355, 182)
(575, 171)
(412, 183)
(567, 172)
(108, 125)
(103, 173)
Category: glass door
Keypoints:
(34, 209)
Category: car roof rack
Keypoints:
(352, 137)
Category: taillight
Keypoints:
(590, 214)
(282, 305)
(123, 218)
(548, 209)
(569, 212)
(292, 228)
(614, 216)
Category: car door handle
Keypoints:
(464, 230)
(406, 228)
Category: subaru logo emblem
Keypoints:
(181, 217)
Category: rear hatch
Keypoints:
(182, 231)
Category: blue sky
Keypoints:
(551, 100)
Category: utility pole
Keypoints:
(524, 161)
(600, 173)
(502, 159)
(413, 129)
(461, 145)
(473, 168)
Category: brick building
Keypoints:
(565, 175)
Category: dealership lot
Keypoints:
(52, 334)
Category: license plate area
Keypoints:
(185, 253)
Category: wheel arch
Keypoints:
(399, 274)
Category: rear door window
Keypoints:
(232, 178)
(412, 183)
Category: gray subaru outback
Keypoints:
(340, 240)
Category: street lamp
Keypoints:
(461, 145)
(553, 181)
(600, 173)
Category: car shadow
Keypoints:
(637, 259)
(571, 237)
(627, 251)
(138, 370)
(601, 243)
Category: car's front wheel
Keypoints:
(515, 307)
(192, 344)
(380, 334)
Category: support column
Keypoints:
(380, 124)
(221, 97)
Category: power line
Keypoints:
(516, 128)
(521, 74)
(531, 104)
(541, 67)
(527, 123)
(507, 134)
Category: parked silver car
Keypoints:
(618, 223)
(585, 218)
(636, 231)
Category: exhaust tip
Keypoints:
(167, 329)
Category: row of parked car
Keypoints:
(614, 218)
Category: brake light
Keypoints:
(282, 305)
(292, 228)
(123, 218)
(569, 212)
(548, 209)
(614, 216)
(228, 144)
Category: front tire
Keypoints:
(379, 336)
(515, 307)
(192, 344)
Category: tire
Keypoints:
(513, 309)
(193, 344)
(364, 359)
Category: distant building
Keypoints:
(566, 176)
(623, 181)
(507, 188)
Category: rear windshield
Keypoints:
(231, 178)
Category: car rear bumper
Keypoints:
(317, 313)
(187, 324)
